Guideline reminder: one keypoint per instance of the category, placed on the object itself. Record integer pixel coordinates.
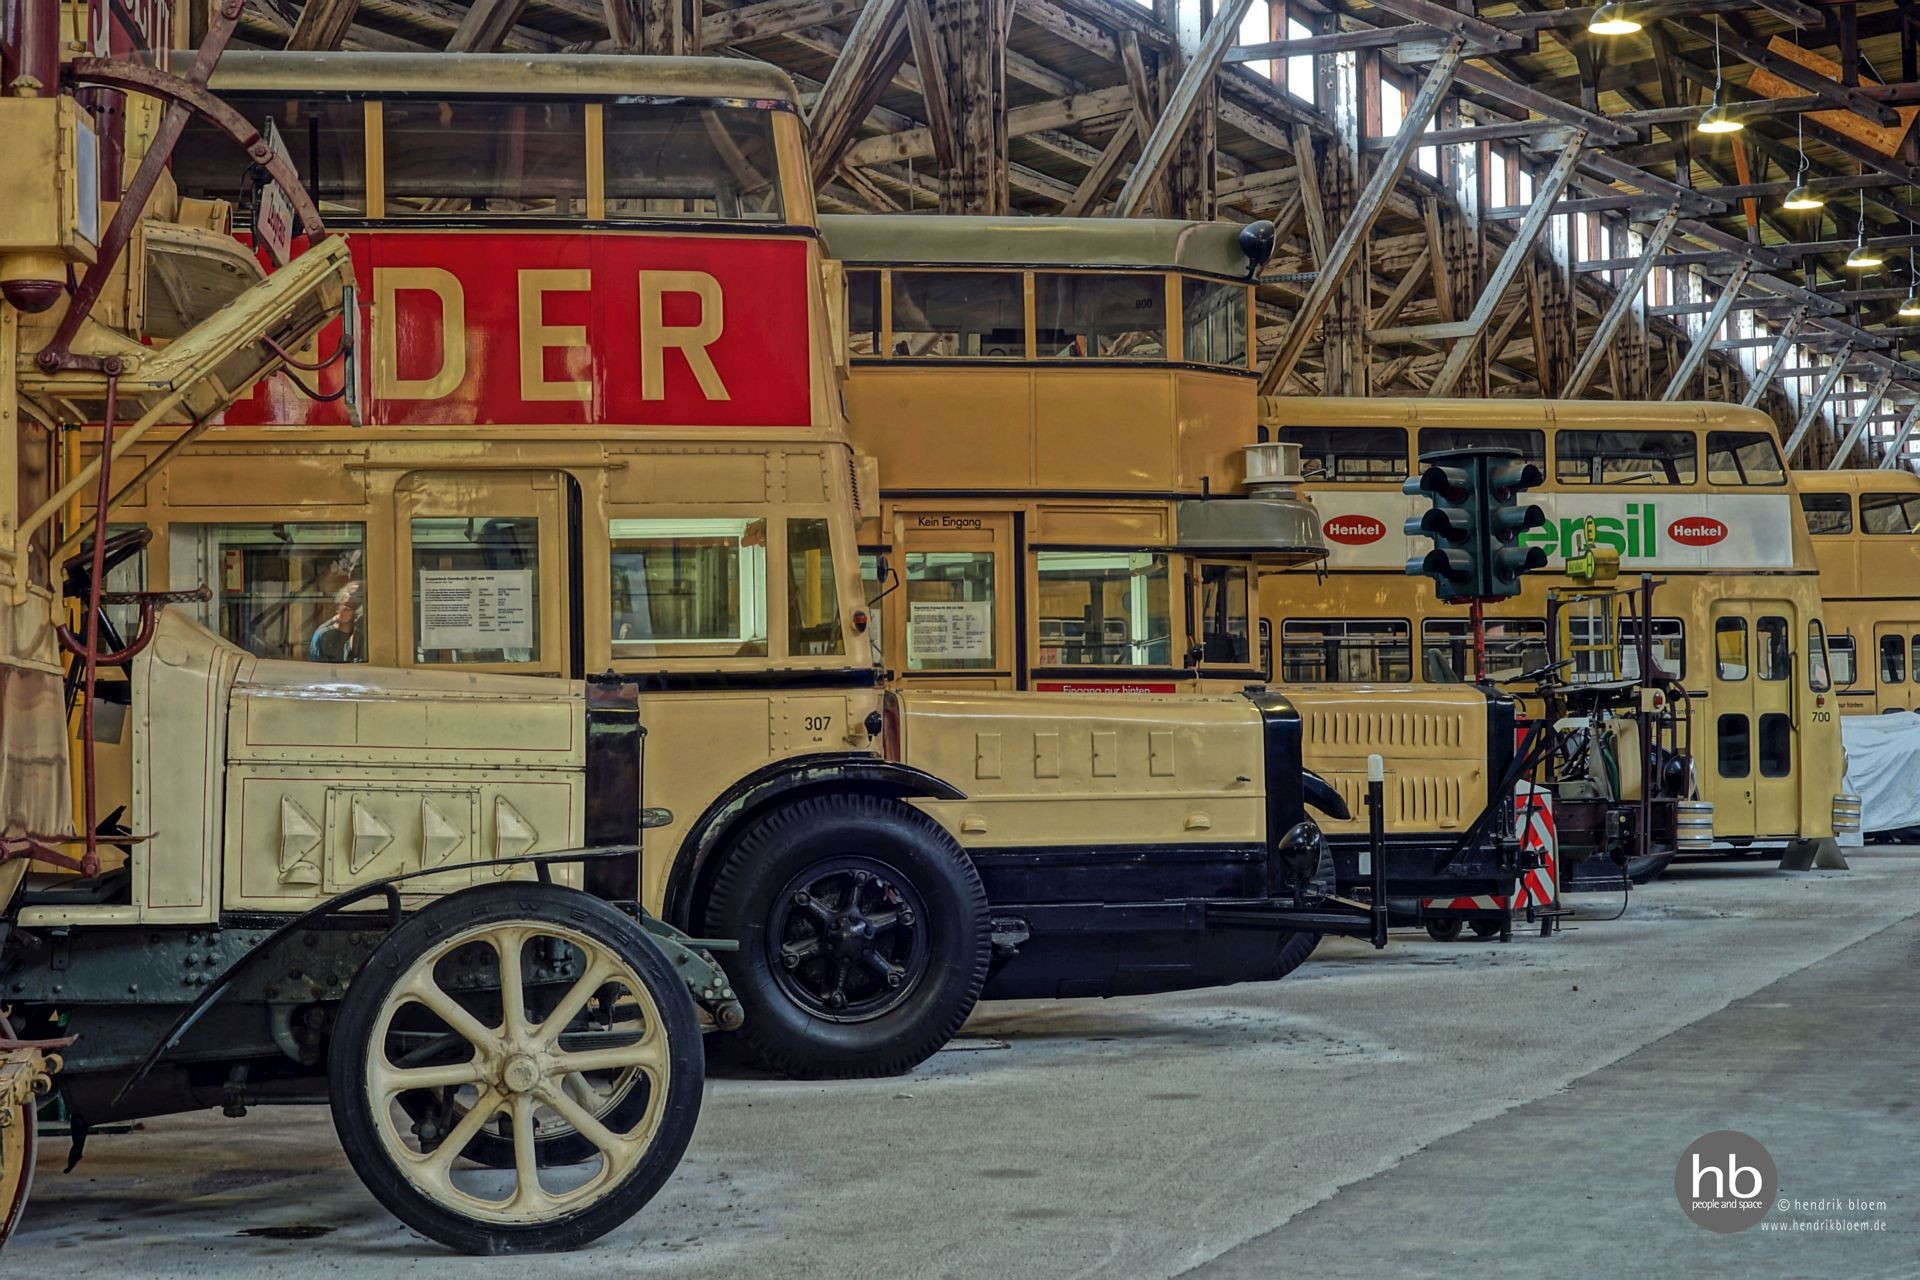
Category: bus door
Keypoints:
(1893, 646)
(485, 561)
(1751, 700)
(949, 612)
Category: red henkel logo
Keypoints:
(1355, 531)
(1697, 531)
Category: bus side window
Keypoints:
(689, 588)
(1346, 650)
(1819, 671)
(1744, 457)
(1775, 651)
(864, 337)
(494, 159)
(1730, 649)
(1895, 513)
(1079, 315)
(959, 313)
(287, 590)
(813, 596)
(1846, 669)
(1350, 455)
(1625, 457)
(1828, 513)
(1893, 660)
(1222, 607)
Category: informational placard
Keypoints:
(274, 221)
(477, 609)
(949, 630)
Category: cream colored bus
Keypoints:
(1694, 494)
(1865, 529)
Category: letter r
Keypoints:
(691, 341)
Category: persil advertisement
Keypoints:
(1700, 531)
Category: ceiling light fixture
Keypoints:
(1612, 19)
(1910, 309)
(1716, 118)
(1802, 197)
(1864, 256)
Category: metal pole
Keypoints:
(1899, 441)
(1860, 421)
(1775, 359)
(1377, 845)
(1812, 410)
(1623, 302)
(1372, 200)
(1703, 341)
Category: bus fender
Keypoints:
(1322, 796)
(778, 782)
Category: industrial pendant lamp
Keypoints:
(1716, 118)
(1612, 19)
(1864, 256)
(1802, 197)
(1910, 309)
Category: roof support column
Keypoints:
(1757, 389)
(1810, 412)
(1558, 322)
(1351, 241)
(1704, 340)
(1860, 421)
(1195, 87)
(1623, 302)
(1897, 445)
(968, 40)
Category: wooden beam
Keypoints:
(485, 26)
(1094, 186)
(1196, 78)
(875, 49)
(910, 144)
(1625, 295)
(929, 59)
(1709, 330)
(1843, 96)
(769, 18)
(323, 24)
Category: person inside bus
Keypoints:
(338, 638)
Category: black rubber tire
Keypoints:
(784, 1036)
(1294, 951)
(1484, 929)
(1649, 869)
(1443, 928)
(499, 903)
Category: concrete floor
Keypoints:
(1504, 1108)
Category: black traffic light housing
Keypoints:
(1476, 522)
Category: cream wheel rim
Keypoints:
(527, 1069)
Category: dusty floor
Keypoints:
(1433, 1107)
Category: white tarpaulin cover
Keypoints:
(1883, 768)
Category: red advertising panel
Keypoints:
(565, 328)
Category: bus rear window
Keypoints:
(518, 159)
(1111, 317)
(1649, 458)
(690, 160)
(1890, 513)
(1828, 513)
(1744, 457)
(1350, 455)
(1531, 444)
(958, 313)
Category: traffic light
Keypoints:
(1476, 522)
(1507, 519)
(1454, 525)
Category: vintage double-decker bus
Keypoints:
(602, 433)
(1865, 529)
(1071, 497)
(1695, 494)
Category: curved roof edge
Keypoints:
(957, 240)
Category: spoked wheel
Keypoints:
(517, 1069)
(19, 1143)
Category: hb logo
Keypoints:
(1725, 1181)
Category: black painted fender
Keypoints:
(780, 781)
(1322, 796)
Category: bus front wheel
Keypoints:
(864, 936)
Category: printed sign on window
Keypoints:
(481, 609)
(940, 629)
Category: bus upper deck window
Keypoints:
(1775, 648)
(1104, 609)
(1893, 660)
(813, 595)
(1108, 317)
(689, 588)
(1846, 667)
(1897, 513)
(499, 159)
(1744, 457)
(1649, 458)
(1223, 607)
(1819, 678)
(326, 138)
(1351, 455)
(863, 313)
(1730, 648)
(958, 313)
(1213, 322)
(1531, 444)
(690, 160)
(1828, 513)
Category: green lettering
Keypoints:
(1609, 532)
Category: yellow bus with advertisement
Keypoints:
(1695, 494)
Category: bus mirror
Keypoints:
(350, 352)
(1257, 241)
